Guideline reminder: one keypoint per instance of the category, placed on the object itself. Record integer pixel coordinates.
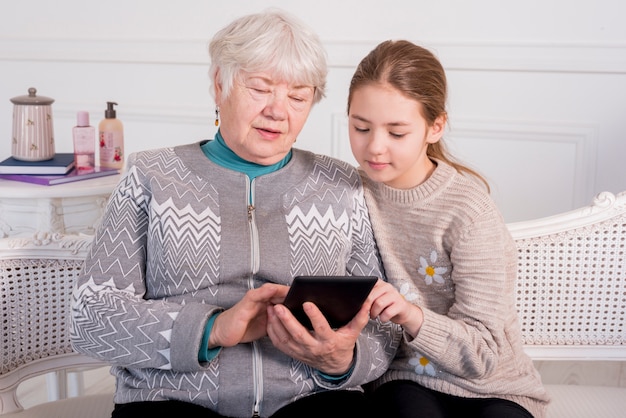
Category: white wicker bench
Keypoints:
(34, 314)
(571, 301)
(571, 298)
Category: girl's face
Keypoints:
(389, 136)
(262, 117)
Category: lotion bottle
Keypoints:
(84, 137)
(111, 139)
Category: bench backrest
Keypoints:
(571, 290)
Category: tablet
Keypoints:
(338, 297)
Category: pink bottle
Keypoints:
(84, 143)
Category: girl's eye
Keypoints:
(356, 128)
(394, 135)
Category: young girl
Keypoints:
(448, 256)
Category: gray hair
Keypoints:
(273, 42)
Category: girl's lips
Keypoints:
(376, 166)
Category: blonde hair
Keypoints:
(417, 73)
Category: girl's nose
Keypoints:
(376, 143)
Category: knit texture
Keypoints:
(446, 248)
(178, 243)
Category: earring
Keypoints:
(217, 115)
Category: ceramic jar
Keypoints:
(33, 135)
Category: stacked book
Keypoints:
(58, 170)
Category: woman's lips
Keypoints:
(268, 133)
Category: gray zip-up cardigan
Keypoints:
(179, 242)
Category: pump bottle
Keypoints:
(111, 139)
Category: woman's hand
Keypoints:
(247, 320)
(327, 350)
(389, 305)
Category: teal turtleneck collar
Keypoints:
(218, 152)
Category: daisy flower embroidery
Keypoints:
(422, 365)
(429, 270)
(405, 291)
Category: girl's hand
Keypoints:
(389, 305)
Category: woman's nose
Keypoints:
(276, 106)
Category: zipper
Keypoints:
(257, 360)
(254, 233)
(257, 363)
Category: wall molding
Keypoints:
(471, 56)
(582, 137)
(143, 112)
(339, 138)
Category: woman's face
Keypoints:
(389, 136)
(262, 116)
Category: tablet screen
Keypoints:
(338, 297)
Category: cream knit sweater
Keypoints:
(445, 247)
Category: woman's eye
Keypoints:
(394, 135)
(297, 99)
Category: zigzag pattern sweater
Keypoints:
(179, 242)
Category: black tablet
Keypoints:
(338, 297)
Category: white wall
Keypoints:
(537, 88)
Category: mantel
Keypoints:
(51, 221)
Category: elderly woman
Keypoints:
(182, 289)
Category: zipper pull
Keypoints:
(250, 211)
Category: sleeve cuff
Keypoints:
(207, 354)
(337, 378)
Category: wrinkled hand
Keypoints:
(389, 305)
(247, 320)
(327, 350)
